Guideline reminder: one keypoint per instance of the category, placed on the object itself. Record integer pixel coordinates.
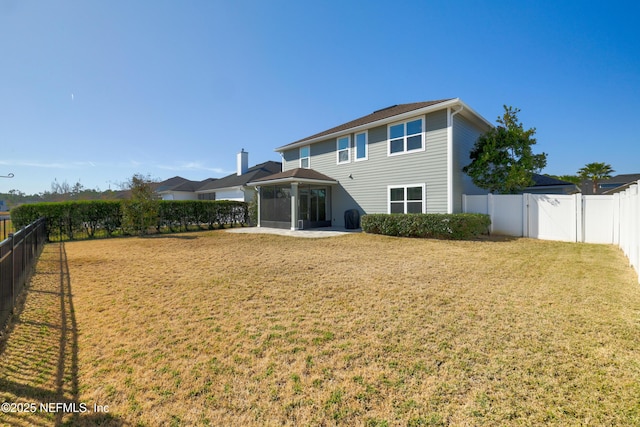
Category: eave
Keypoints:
(291, 180)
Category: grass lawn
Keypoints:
(214, 328)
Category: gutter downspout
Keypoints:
(450, 157)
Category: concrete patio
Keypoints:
(314, 233)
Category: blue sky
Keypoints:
(96, 91)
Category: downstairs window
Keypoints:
(407, 199)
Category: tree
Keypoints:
(596, 172)
(502, 160)
(57, 188)
(77, 189)
(140, 212)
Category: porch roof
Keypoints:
(300, 175)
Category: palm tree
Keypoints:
(596, 172)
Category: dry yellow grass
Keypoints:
(215, 328)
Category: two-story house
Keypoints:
(406, 158)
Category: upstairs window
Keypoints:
(406, 137)
(344, 149)
(304, 157)
(361, 146)
(407, 199)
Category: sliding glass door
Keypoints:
(313, 206)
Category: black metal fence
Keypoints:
(6, 227)
(18, 254)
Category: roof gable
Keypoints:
(192, 186)
(178, 183)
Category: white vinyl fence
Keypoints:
(610, 219)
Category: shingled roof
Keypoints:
(377, 115)
(235, 180)
(624, 181)
(545, 181)
(178, 183)
(297, 173)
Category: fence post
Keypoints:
(525, 215)
(578, 200)
(616, 219)
(25, 260)
(636, 235)
(13, 270)
(490, 206)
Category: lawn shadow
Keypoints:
(169, 236)
(497, 238)
(39, 355)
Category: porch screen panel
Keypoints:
(275, 203)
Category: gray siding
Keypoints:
(465, 134)
(363, 184)
(291, 159)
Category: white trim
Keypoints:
(292, 179)
(424, 196)
(366, 146)
(423, 135)
(306, 157)
(399, 117)
(450, 115)
(294, 205)
(259, 196)
(450, 161)
(348, 149)
(214, 190)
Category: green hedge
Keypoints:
(436, 226)
(106, 218)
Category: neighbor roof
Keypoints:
(168, 184)
(545, 180)
(193, 185)
(235, 180)
(625, 181)
(178, 183)
(612, 185)
(622, 179)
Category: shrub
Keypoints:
(435, 226)
(108, 217)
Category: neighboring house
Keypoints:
(230, 187)
(179, 188)
(3, 206)
(547, 185)
(402, 159)
(611, 185)
(234, 186)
